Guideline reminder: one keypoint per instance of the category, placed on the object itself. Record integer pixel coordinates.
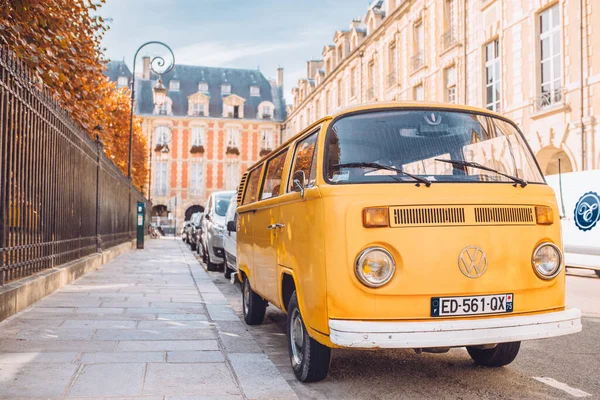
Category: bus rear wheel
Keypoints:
(597, 272)
(501, 355)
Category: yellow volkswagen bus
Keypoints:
(403, 225)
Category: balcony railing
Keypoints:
(449, 39)
(371, 92)
(549, 99)
(418, 60)
(392, 79)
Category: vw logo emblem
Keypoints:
(472, 262)
(432, 117)
(587, 211)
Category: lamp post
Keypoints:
(159, 66)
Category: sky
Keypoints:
(250, 34)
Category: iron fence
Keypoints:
(61, 198)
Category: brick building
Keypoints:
(215, 123)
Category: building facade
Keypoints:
(214, 124)
(532, 61)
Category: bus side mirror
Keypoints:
(299, 180)
(231, 226)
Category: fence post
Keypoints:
(3, 171)
(98, 169)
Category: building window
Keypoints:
(233, 138)
(550, 54)
(340, 54)
(226, 88)
(450, 83)
(197, 136)
(418, 59)
(266, 112)
(196, 179)
(122, 81)
(392, 65)
(492, 76)
(232, 176)
(449, 36)
(254, 91)
(353, 81)
(418, 93)
(267, 140)
(340, 93)
(174, 86)
(160, 178)
(203, 87)
(163, 134)
(198, 109)
(371, 81)
(317, 109)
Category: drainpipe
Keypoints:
(583, 139)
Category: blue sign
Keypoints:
(587, 211)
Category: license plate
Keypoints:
(471, 305)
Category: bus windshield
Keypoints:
(427, 145)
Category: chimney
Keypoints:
(280, 76)
(146, 71)
(355, 23)
(312, 66)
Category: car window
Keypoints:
(273, 176)
(231, 211)
(222, 203)
(252, 186)
(304, 160)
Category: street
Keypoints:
(570, 363)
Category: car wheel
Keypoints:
(193, 246)
(597, 272)
(310, 359)
(501, 355)
(227, 271)
(204, 256)
(253, 305)
(211, 266)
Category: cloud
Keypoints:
(225, 53)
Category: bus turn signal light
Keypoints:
(544, 215)
(375, 217)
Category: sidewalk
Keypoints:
(149, 325)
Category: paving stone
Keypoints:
(166, 345)
(259, 377)
(55, 334)
(153, 334)
(219, 312)
(123, 357)
(182, 317)
(225, 397)
(99, 324)
(109, 380)
(38, 358)
(46, 346)
(195, 356)
(165, 310)
(189, 379)
(35, 380)
(178, 324)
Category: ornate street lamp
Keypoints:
(159, 66)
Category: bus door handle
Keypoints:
(276, 226)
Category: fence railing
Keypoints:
(61, 198)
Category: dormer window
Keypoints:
(122, 81)
(174, 86)
(254, 90)
(266, 110)
(226, 88)
(198, 109)
(203, 87)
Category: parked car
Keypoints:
(199, 235)
(578, 196)
(184, 230)
(194, 230)
(229, 239)
(188, 229)
(213, 229)
(404, 225)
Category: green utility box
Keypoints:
(141, 215)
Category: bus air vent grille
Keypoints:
(419, 216)
(504, 215)
(240, 191)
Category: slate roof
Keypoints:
(190, 76)
(115, 69)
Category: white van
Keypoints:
(229, 239)
(578, 195)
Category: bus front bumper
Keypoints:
(453, 333)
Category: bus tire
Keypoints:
(310, 359)
(253, 305)
(597, 271)
(501, 355)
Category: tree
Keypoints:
(60, 41)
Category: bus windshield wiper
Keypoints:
(419, 179)
(473, 164)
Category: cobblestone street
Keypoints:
(151, 324)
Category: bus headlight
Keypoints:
(546, 260)
(375, 267)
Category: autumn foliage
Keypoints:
(60, 41)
